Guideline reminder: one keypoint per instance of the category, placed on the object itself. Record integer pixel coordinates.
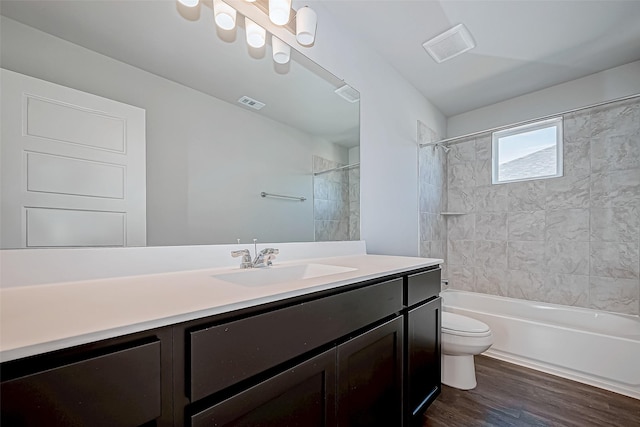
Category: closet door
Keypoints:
(73, 167)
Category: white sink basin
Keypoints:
(279, 274)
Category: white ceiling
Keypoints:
(521, 45)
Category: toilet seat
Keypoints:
(455, 324)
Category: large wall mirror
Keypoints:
(208, 156)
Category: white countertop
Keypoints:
(41, 318)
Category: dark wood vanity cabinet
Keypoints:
(362, 355)
(422, 345)
(227, 352)
(370, 377)
(303, 395)
(119, 382)
(356, 378)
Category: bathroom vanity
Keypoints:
(356, 348)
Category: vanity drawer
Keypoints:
(119, 388)
(225, 354)
(423, 286)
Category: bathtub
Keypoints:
(593, 347)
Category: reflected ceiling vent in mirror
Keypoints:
(348, 93)
(250, 102)
(450, 44)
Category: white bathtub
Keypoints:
(593, 347)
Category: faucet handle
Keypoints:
(246, 257)
(265, 256)
(270, 251)
(268, 258)
(240, 252)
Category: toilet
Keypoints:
(462, 338)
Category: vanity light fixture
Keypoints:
(306, 22)
(301, 23)
(281, 50)
(279, 11)
(189, 3)
(225, 15)
(256, 35)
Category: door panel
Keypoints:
(70, 151)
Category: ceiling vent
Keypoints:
(250, 102)
(348, 93)
(450, 44)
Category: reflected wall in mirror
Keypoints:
(208, 157)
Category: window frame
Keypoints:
(529, 127)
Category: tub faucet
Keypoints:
(246, 257)
(265, 257)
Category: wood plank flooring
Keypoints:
(510, 395)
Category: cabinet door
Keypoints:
(303, 396)
(121, 388)
(423, 357)
(222, 355)
(370, 378)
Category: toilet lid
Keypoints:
(457, 323)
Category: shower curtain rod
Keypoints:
(525, 122)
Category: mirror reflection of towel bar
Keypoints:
(282, 196)
(339, 168)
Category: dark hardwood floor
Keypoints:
(510, 395)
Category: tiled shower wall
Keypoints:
(354, 203)
(336, 201)
(573, 240)
(433, 196)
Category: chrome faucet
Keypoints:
(265, 257)
(246, 257)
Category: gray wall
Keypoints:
(610, 84)
(202, 156)
(573, 240)
(390, 107)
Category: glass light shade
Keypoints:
(281, 50)
(189, 3)
(279, 11)
(306, 21)
(224, 14)
(255, 33)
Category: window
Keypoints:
(531, 151)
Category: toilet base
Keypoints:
(459, 371)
